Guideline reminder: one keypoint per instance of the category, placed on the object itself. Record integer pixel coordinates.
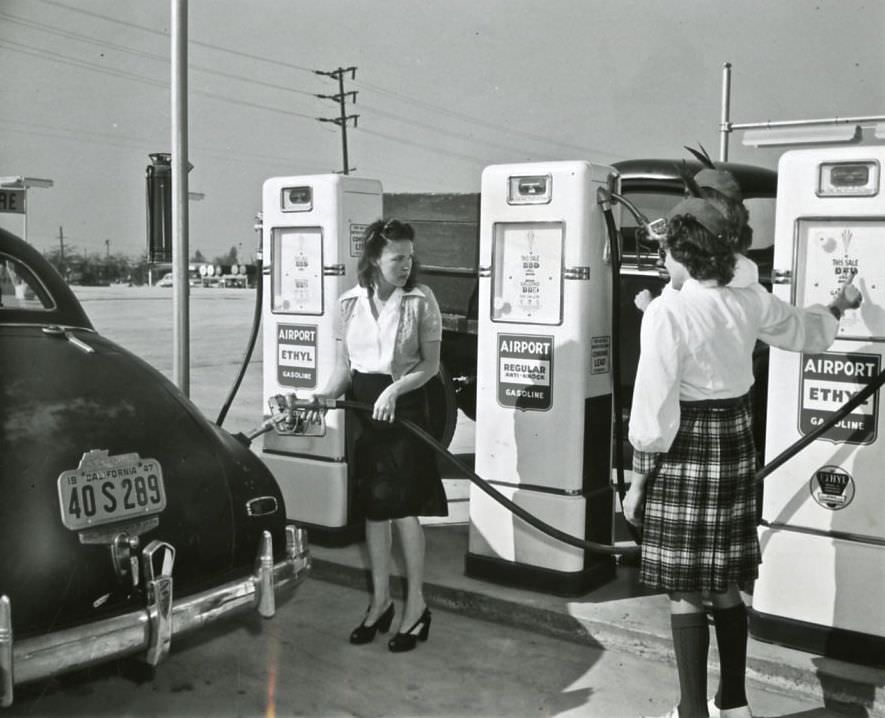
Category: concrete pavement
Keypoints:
(619, 616)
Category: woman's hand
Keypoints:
(320, 404)
(849, 296)
(385, 405)
(642, 299)
(634, 503)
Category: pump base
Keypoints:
(535, 578)
(837, 643)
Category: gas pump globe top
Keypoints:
(823, 530)
(312, 234)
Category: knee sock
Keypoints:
(691, 639)
(731, 636)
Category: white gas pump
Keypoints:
(311, 238)
(822, 578)
(543, 419)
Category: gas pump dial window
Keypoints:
(831, 251)
(848, 179)
(527, 275)
(296, 199)
(297, 270)
(536, 189)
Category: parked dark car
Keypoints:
(126, 517)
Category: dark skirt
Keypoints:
(395, 473)
(699, 530)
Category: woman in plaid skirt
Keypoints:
(693, 488)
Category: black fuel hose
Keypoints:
(604, 198)
(546, 528)
(484, 485)
(250, 345)
(843, 411)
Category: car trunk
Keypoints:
(58, 402)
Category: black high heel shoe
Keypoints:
(366, 634)
(407, 641)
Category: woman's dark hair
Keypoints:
(375, 238)
(704, 254)
(738, 216)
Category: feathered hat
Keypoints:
(714, 178)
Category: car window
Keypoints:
(20, 288)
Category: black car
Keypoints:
(126, 517)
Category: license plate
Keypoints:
(105, 489)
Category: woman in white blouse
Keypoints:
(389, 333)
(693, 489)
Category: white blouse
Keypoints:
(697, 344)
(392, 343)
(370, 342)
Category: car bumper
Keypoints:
(149, 631)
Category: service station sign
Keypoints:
(297, 355)
(525, 371)
(828, 381)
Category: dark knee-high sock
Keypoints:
(731, 636)
(691, 639)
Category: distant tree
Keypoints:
(227, 259)
(198, 257)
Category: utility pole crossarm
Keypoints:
(341, 98)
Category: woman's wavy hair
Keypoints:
(375, 238)
(738, 216)
(705, 255)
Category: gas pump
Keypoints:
(822, 577)
(543, 419)
(312, 234)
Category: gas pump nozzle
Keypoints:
(655, 230)
(302, 417)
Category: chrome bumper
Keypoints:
(149, 631)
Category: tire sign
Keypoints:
(827, 382)
(525, 371)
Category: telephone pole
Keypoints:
(343, 117)
(61, 251)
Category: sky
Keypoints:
(444, 89)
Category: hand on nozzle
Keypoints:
(319, 405)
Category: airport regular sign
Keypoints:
(12, 201)
(525, 371)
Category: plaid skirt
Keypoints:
(394, 472)
(699, 528)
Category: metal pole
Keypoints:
(724, 127)
(346, 169)
(769, 124)
(181, 285)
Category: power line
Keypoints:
(147, 55)
(498, 128)
(436, 109)
(67, 60)
(161, 33)
(107, 139)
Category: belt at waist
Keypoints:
(726, 403)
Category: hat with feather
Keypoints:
(715, 178)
